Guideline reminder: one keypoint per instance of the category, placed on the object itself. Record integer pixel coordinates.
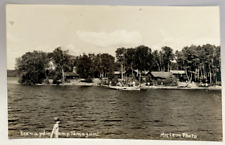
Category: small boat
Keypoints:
(131, 88)
(115, 87)
(204, 85)
(125, 88)
(182, 84)
(192, 85)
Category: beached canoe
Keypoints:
(125, 88)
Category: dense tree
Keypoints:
(129, 60)
(104, 65)
(120, 58)
(135, 58)
(139, 59)
(157, 60)
(179, 58)
(201, 63)
(31, 67)
(62, 61)
(167, 57)
(97, 66)
(143, 58)
(85, 67)
(107, 64)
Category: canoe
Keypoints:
(125, 88)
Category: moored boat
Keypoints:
(125, 88)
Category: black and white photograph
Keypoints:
(114, 72)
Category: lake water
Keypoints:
(98, 112)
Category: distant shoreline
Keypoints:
(13, 80)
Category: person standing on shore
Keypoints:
(55, 130)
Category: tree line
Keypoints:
(200, 63)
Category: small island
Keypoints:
(114, 72)
(194, 67)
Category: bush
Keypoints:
(32, 78)
(57, 79)
(46, 81)
(167, 82)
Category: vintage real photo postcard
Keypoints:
(114, 72)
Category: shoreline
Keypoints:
(149, 87)
(182, 88)
(143, 87)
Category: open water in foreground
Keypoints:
(97, 112)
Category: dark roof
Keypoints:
(163, 75)
(71, 74)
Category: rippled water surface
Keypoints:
(105, 113)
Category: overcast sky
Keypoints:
(100, 29)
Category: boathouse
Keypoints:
(71, 75)
(163, 78)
